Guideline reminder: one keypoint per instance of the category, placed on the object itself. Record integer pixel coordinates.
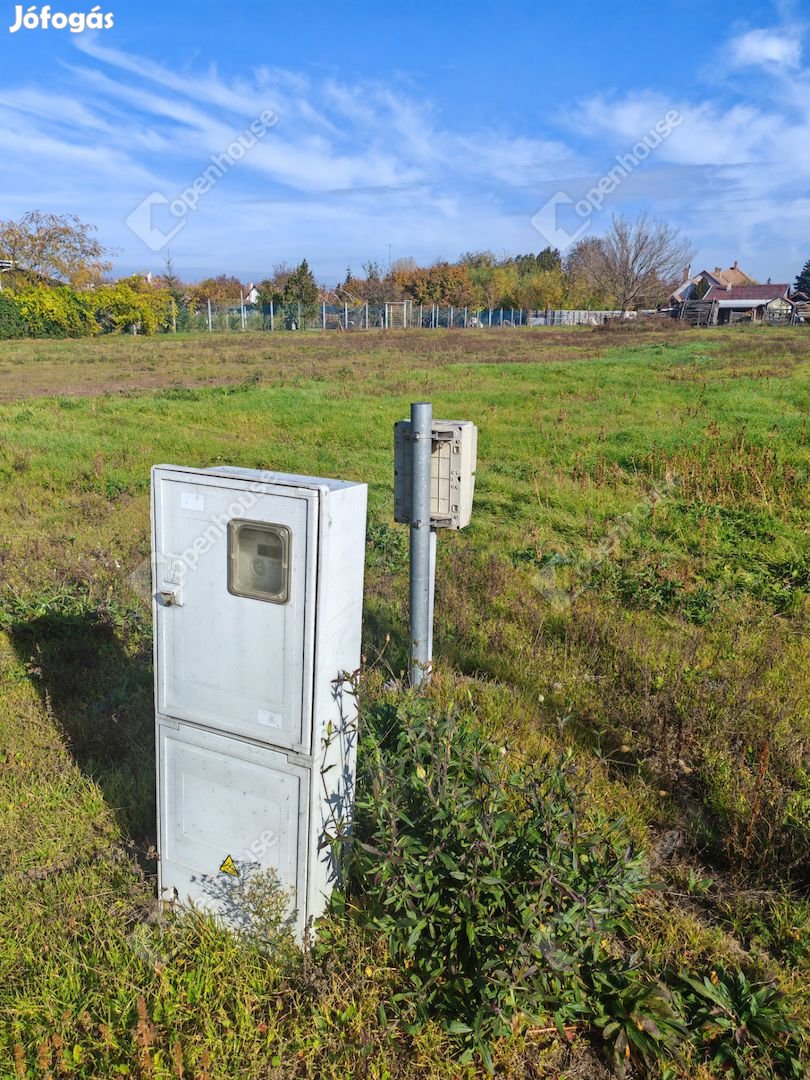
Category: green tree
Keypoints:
(803, 280)
(177, 290)
(302, 288)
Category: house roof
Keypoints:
(733, 276)
(763, 293)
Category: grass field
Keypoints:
(633, 588)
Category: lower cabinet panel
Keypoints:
(229, 810)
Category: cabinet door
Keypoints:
(234, 584)
(229, 808)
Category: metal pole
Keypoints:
(272, 316)
(420, 602)
(323, 315)
(210, 328)
(431, 594)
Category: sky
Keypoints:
(239, 136)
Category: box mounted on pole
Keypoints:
(434, 481)
(452, 472)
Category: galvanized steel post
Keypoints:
(420, 598)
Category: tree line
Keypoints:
(56, 280)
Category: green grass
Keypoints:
(633, 585)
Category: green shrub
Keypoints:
(54, 312)
(636, 1017)
(741, 1028)
(132, 304)
(491, 884)
(12, 324)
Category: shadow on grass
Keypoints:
(101, 699)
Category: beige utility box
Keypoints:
(452, 472)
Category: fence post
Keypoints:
(299, 315)
(210, 328)
(490, 318)
(465, 318)
(420, 316)
(272, 316)
(346, 315)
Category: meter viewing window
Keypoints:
(259, 560)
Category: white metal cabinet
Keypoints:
(257, 603)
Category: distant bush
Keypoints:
(124, 307)
(60, 311)
(54, 311)
(12, 324)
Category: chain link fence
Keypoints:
(393, 315)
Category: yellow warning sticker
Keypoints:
(229, 867)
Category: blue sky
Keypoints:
(432, 128)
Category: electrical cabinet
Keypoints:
(257, 602)
(453, 457)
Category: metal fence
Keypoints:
(394, 315)
(568, 317)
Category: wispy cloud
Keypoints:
(766, 47)
(353, 165)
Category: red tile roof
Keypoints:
(748, 292)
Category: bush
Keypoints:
(54, 312)
(123, 307)
(12, 324)
(505, 903)
(492, 886)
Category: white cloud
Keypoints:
(765, 47)
(352, 166)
